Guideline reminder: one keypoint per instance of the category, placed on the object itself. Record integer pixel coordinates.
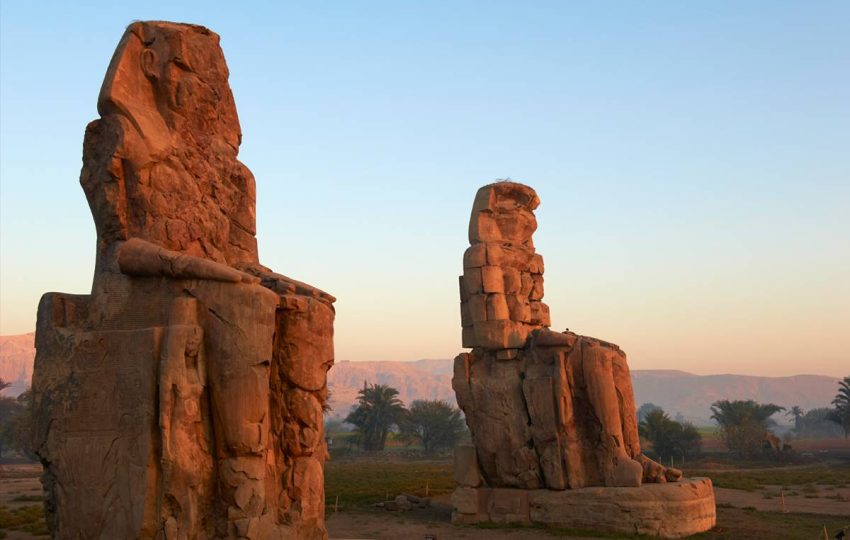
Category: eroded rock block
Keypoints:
(664, 510)
(183, 397)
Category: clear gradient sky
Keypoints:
(693, 161)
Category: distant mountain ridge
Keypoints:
(677, 392)
(16, 358)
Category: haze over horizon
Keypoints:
(691, 161)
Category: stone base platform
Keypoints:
(672, 510)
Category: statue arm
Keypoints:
(137, 257)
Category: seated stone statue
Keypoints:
(546, 409)
(183, 397)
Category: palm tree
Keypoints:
(743, 424)
(668, 437)
(377, 411)
(841, 413)
(433, 423)
(797, 413)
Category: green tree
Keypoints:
(841, 412)
(817, 423)
(433, 423)
(645, 409)
(378, 410)
(797, 413)
(744, 424)
(668, 437)
(15, 422)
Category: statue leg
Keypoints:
(617, 468)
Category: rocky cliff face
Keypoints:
(183, 397)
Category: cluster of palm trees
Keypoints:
(841, 406)
(668, 437)
(744, 424)
(434, 424)
(809, 423)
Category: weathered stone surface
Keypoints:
(183, 397)
(466, 466)
(665, 510)
(546, 410)
(502, 264)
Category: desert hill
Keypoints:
(677, 392)
(16, 356)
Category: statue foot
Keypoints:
(654, 472)
(627, 472)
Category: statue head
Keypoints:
(161, 164)
(170, 80)
(504, 212)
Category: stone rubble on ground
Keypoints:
(404, 502)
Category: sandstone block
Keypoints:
(484, 228)
(472, 281)
(661, 510)
(464, 295)
(475, 256)
(502, 334)
(512, 280)
(509, 256)
(536, 287)
(465, 314)
(492, 279)
(540, 314)
(497, 307)
(519, 307)
(466, 471)
(465, 500)
(507, 354)
(468, 339)
(527, 284)
(478, 307)
(535, 266)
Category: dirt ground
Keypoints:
(19, 486)
(826, 500)
(378, 524)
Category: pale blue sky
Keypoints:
(692, 159)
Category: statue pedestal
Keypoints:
(671, 510)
